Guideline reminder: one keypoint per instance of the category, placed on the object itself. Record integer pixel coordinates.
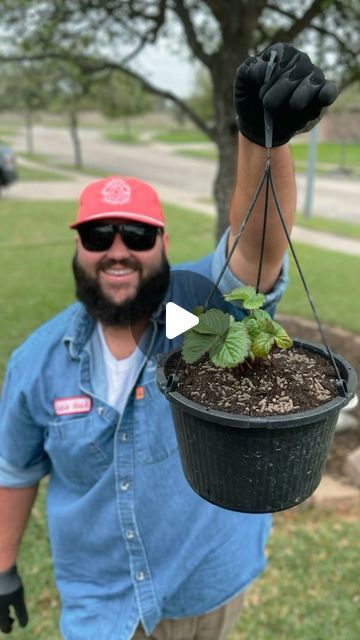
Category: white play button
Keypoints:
(178, 320)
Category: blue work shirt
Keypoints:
(130, 540)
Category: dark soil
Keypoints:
(288, 381)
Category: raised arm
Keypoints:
(250, 166)
(295, 95)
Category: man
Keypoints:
(136, 552)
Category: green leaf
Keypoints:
(262, 344)
(197, 311)
(248, 296)
(282, 339)
(264, 321)
(214, 321)
(196, 345)
(252, 326)
(234, 348)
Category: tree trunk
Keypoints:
(225, 179)
(29, 127)
(226, 140)
(74, 133)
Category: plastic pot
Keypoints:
(255, 464)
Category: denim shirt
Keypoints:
(130, 539)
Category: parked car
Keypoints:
(8, 173)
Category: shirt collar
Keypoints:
(82, 325)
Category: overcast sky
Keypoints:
(166, 70)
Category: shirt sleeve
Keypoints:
(23, 460)
(229, 281)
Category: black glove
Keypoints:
(11, 594)
(295, 94)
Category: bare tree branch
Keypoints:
(90, 66)
(183, 14)
(319, 29)
(285, 35)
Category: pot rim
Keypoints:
(280, 421)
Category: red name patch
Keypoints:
(72, 405)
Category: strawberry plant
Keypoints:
(229, 342)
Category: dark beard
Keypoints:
(148, 297)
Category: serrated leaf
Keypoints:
(262, 344)
(196, 345)
(252, 326)
(197, 311)
(264, 321)
(234, 348)
(282, 339)
(214, 321)
(248, 296)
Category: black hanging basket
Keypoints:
(255, 464)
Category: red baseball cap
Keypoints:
(121, 198)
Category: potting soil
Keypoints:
(288, 381)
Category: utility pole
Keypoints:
(310, 173)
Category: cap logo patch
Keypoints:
(116, 191)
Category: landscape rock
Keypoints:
(332, 493)
(352, 466)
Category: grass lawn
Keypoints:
(119, 136)
(180, 136)
(329, 225)
(328, 155)
(310, 590)
(28, 174)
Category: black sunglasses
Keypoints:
(136, 236)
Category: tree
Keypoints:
(22, 90)
(218, 34)
(117, 95)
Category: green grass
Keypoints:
(180, 136)
(34, 157)
(328, 156)
(207, 154)
(329, 225)
(333, 282)
(29, 174)
(328, 153)
(310, 589)
(119, 136)
(88, 171)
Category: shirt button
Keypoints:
(140, 576)
(100, 410)
(130, 534)
(124, 485)
(124, 436)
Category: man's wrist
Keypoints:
(9, 580)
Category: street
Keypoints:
(181, 179)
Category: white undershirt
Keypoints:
(120, 374)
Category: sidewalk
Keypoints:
(70, 190)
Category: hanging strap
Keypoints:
(266, 179)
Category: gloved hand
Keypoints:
(11, 594)
(295, 94)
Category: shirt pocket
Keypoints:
(80, 450)
(154, 431)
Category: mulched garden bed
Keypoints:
(348, 345)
